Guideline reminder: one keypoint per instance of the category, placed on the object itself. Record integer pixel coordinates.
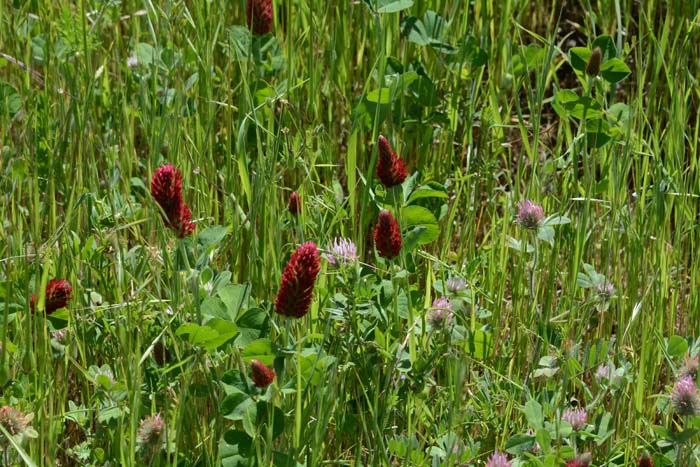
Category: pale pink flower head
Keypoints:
(441, 313)
(151, 434)
(530, 215)
(342, 251)
(498, 459)
(576, 417)
(685, 397)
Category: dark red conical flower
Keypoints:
(262, 374)
(58, 294)
(582, 460)
(387, 236)
(645, 460)
(166, 188)
(390, 168)
(259, 16)
(294, 205)
(298, 279)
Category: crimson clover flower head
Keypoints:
(294, 204)
(387, 235)
(58, 293)
(391, 169)
(498, 459)
(582, 460)
(576, 417)
(341, 252)
(166, 189)
(259, 16)
(298, 279)
(645, 459)
(685, 397)
(261, 374)
(530, 215)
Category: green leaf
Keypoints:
(146, 54)
(417, 216)
(534, 415)
(234, 297)
(210, 237)
(10, 100)
(238, 44)
(614, 70)
(260, 349)
(579, 57)
(240, 439)
(414, 29)
(392, 6)
(518, 444)
(577, 106)
(379, 96)
(213, 307)
(479, 345)
(597, 132)
(253, 324)
(607, 46)
(677, 346)
(426, 192)
(424, 92)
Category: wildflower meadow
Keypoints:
(367, 233)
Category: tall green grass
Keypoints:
(248, 121)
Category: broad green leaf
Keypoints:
(677, 346)
(614, 70)
(520, 443)
(607, 46)
(234, 297)
(597, 133)
(240, 439)
(533, 413)
(10, 100)
(213, 307)
(392, 6)
(479, 345)
(576, 106)
(419, 217)
(210, 237)
(146, 54)
(579, 57)
(261, 350)
(379, 96)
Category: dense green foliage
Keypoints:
(589, 109)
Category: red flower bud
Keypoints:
(259, 16)
(294, 203)
(166, 188)
(58, 294)
(390, 167)
(262, 374)
(298, 280)
(645, 460)
(583, 460)
(387, 236)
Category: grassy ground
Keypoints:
(484, 101)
